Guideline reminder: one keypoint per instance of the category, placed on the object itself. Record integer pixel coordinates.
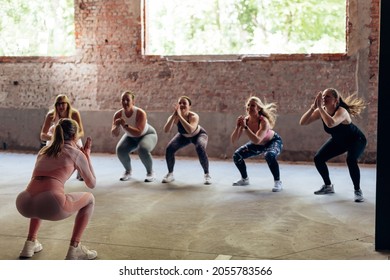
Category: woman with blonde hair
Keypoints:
(336, 114)
(45, 198)
(61, 109)
(258, 126)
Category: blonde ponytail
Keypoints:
(65, 130)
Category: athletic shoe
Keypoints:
(80, 253)
(30, 248)
(207, 179)
(168, 178)
(277, 187)
(241, 182)
(149, 177)
(325, 189)
(359, 196)
(126, 176)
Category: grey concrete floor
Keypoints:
(187, 220)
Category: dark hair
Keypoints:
(187, 98)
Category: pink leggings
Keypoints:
(39, 204)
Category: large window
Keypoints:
(37, 28)
(208, 27)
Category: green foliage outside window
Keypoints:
(195, 27)
(37, 28)
(187, 27)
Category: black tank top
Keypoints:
(344, 132)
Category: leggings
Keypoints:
(39, 204)
(271, 150)
(333, 148)
(179, 141)
(145, 144)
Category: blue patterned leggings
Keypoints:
(271, 150)
(179, 141)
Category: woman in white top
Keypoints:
(138, 135)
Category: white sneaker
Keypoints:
(241, 182)
(149, 177)
(278, 186)
(168, 178)
(126, 176)
(207, 179)
(80, 253)
(359, 196)
(30, 248)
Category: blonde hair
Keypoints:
(353, 104)
(129, 92)
(65, 130)
(268, 110)
(65, 99)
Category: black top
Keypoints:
(344, 132)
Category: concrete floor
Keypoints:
(186, 220)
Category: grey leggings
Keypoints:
(144, 144)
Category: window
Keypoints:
(37, 28)
(214, 27)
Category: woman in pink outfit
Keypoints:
(44, 197)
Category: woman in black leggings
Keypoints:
(189, 132)
(335, 113)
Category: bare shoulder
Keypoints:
(140, 112)
(193, 115)
(118, 113)
(50, 114)
(75, 113)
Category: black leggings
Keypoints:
(333, 148)
(179, 141)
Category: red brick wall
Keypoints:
(109, 60)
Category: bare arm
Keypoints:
(258, 136)
(192, 123)
(236, 134)
(76, 116)
(140, 122)
(169, 124)
(331, 121)
(312, 114)
(45, 136)
(172, 119)
(84, 165)
(117, 122)
(309, 116)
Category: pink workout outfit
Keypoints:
(44, 197)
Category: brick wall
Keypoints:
(109, 60)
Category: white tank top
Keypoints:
(132, 122)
